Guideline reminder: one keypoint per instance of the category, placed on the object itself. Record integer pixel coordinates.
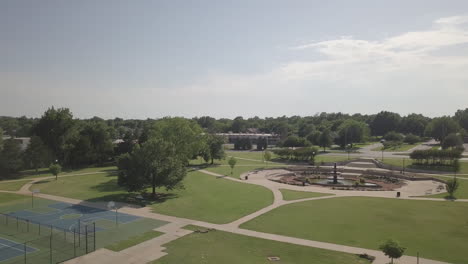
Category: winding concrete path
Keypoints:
(153, 249)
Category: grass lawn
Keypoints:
(214, 200)
(437, 230)
(44, 172)
(409, 164)
(330, 158)
(289, 195)
(403, 147)
(217, 247)
(204, 198)
(134, 240)
(6, 198)
(461, 193)
(12, 186)
(238, 170)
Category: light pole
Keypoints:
(348, 148)
(404, 165)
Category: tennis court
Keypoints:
(10, 249)
(68, 216)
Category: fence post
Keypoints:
(74, 243)
(17, 224)
(39, 228)
(50, 249)
(27, 225)
(86, 238)
(25, 253)
(79, 233)
(94, 235)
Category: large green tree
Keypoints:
(37, 155)
(215, 147)
(10, 157)
(461, 116)
(384, 122)
(186, 135)
(414, 124)
(392, 249)
(325, 139)
(441, 127)
(352, 131)
(157, 163)
(53, 128)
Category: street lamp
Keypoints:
(348, 149)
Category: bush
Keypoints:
(412, 139)
(447, 157)
(393, 136)
(301, 154)
(295, 141)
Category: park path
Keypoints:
(153, 249)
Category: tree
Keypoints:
(1, 139)
(295, 141)
(393, 136)
(186, 135)
(36, 154)
(232, 162)
(313, 137)
(452, 185)
(10, 157)
(440, 127)
(412, 139)
(215, 146)
(414, 124)
(53, 128)
(55, 169)
(325, 139)
(452, 141)
(351, 131)
(157, 163)
(267, 157)
(392, 249)
(461, 116)
(384, 122)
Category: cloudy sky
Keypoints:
(139, 59)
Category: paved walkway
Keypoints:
(153, 249)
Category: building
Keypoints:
(24, 141)
(272, 139)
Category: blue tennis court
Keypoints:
(10, 249)
(67, 216)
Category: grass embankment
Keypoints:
(222, 247)
(12, 185)
(437, 230)
(204, 197)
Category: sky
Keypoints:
(149, 59)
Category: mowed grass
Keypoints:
(204, 197)
(437, 230)
(289, 195)
(241, 169)
(460, 193)
(409, 164)
(134, 240)
(217, 247)
(215, 200)
(12, 185)
(402, 147)
(44, 172)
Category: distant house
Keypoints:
(24, 141)
(273, 139)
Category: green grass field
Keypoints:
(239, 170)
(403, 147)
(204, 198)
(437, 230)
(13, 185)
(409, 164)
(217, 247)
(289, 195)
(44, 172)
(134, 240)
(214, 200)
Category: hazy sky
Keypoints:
(139, 59)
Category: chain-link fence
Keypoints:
(26, 241)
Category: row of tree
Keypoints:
(59, 138)
(299, 154)
(433, 157)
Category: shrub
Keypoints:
(412, 139)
